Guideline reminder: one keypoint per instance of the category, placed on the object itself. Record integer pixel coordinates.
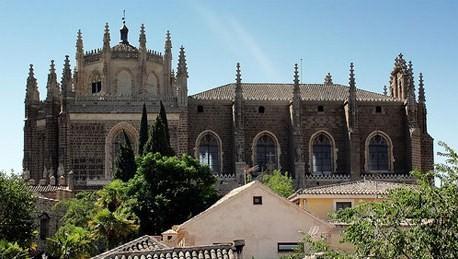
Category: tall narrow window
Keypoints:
(117, 142)
(378, 154)
(322, 154)
(96, 83)
(44, 226)
(266, 153)
(209, 152)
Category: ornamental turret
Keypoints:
(168, 65)
(328, 79)
(32, 96)
(182, 79)
(352, 101)
(142, 38)
(52, 86)
(66, 83)
(296, 107)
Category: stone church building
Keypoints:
(319, 132)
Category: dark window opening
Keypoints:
(257, 200)
(322, 154)
(378, 154)
(200, 108)
(266, 154)
(320, 108)
(44, 225)
(378, 109)
(209, 152)
(96, 87)
(287, 246)
(343, 205)
(261, 109)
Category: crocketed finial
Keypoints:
(52, 67)
(385, 90)
(142, 38)
(296, 74)
(182, 69)
(352, 81)
(421, 90)
(238, 75)
(79, 42)
(328, 79)
(31, 73)
(168, 41)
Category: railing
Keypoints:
(328, 177)
(387, 176)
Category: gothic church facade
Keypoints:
(319, 133)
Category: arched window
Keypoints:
(322, 159)
(44, 226)
(118, 141)
(378, 157)
(209, 152)
(266, 153)
(96, 83)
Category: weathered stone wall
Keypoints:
(218, 118)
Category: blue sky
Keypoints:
(267, 37)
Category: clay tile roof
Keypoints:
(141, 244)
(284, 92)
(46, 188)
(217, 251)
(362, 187)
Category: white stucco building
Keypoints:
(270, 225)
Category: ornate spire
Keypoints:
(352, 81)
(353, 123)
(52, 87)
(421, 90)
(32, 94)
(168, 41)
(124, 30)
(238, 75)
(182, 69)
(142, 38)
(106, 37)
(79, 44)
(385, 90)
(66, 78)
(328, 79)
(296, 75)
(411, 87)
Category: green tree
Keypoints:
(163, 117)
(12, 250)
(114, 221)
(125, 161)
(280, 183)
(71, 241)
(170, 190)
(143, 138)
(420, 222)
(78, 210)
(17, 208)
(104, 217)
(159, 137)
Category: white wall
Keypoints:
(261, 226)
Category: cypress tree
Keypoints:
(125, 161)
(163, 117)
(143, 138)
(159, 138)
